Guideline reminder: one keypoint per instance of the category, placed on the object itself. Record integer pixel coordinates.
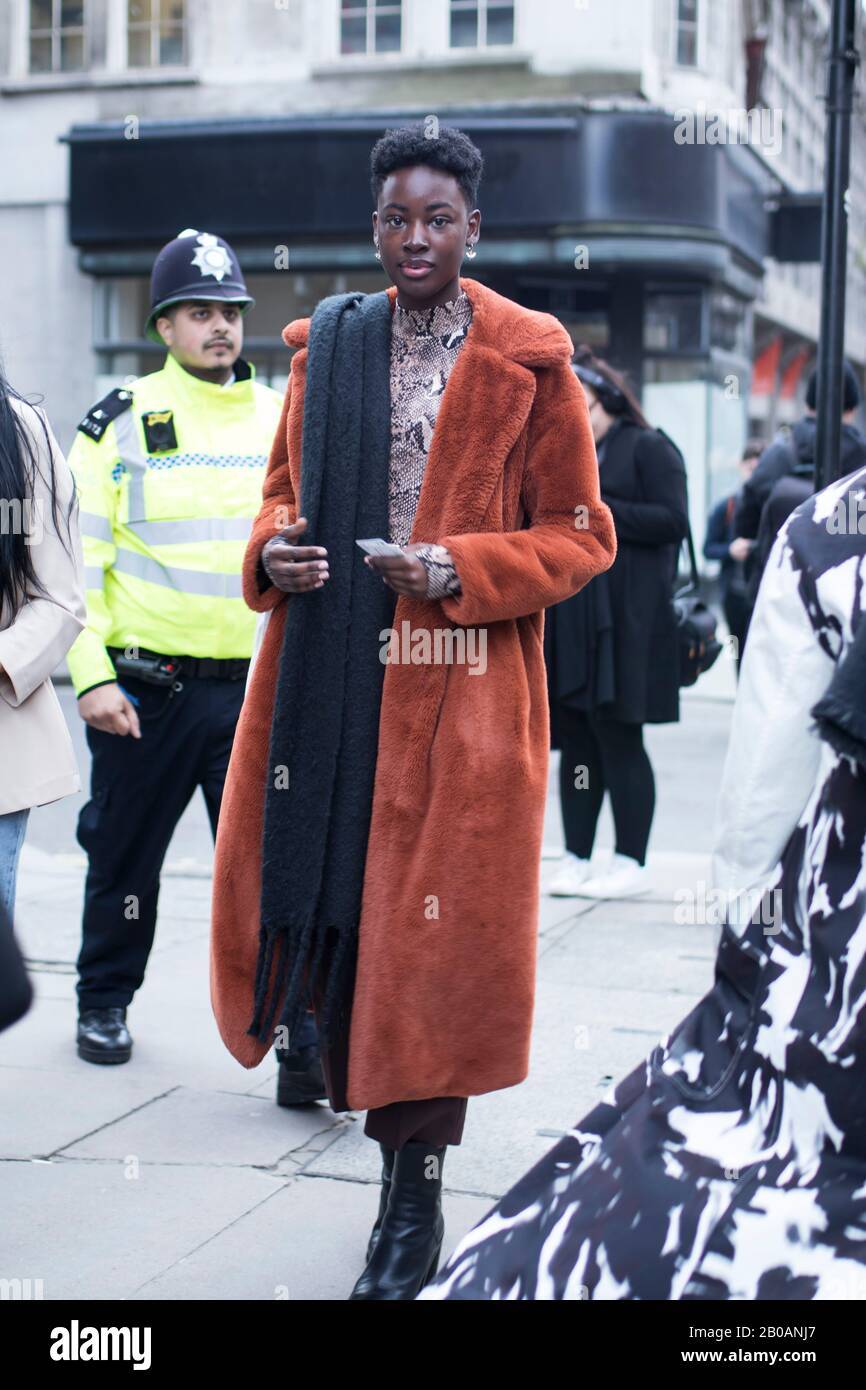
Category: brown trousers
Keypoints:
(437, 1121)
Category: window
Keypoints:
(673, 321)
(481, 23)
(686, 50)
(58, 38)
(155, 33)
(371, 26)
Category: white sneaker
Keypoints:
(551, 852)
(625, 878)
(566, 882)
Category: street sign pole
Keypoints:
(841, 67)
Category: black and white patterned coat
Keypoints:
(732, 1163)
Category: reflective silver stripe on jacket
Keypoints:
(94, 577)
(131, 456)
(185, 581)
(200, 528)
(97, 527)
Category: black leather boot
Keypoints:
(406, 1254)
(103, 1036)
(300, 1078)
(387, 1171)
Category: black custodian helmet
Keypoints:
(196, 265)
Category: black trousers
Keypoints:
(139, 790)
(598, 756)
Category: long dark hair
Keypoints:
(19, 466)
(611, 387)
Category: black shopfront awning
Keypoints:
(552, 178)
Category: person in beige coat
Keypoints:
(42, 611)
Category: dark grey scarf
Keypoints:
(325, 725)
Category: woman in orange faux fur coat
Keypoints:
(444, 988)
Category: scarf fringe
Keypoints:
(296, 986)
(271, 985)
(338, 989)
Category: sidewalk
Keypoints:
(177, 1177)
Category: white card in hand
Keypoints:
(376, 546)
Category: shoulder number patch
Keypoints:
(100, 416)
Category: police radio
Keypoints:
(155, 670)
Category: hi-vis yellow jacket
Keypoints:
(170, 472)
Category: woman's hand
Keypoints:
(291, 567)
(403, 573)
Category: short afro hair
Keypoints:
(449, 149)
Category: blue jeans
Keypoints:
(12, 828)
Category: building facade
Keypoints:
(626, 189)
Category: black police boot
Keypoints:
(103, 1036)
(406, 1254)
(300, 1078)
(387, 1170)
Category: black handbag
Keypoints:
(696, 625)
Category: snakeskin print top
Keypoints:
(424, 348)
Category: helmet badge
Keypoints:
(211, 258)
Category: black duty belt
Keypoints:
(159, 669)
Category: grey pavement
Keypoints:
(176, 1176)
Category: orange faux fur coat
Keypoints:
(444, 989)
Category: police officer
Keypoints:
(169, 471)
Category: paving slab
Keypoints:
(207, 1127)
(305, 1244)
(100, 1230)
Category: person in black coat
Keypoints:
(732, 551)
(612, 650)
(785, 475)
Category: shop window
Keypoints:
(58, 36)
(686, 33)
(730, 330)
(674, 322)
(481, 23)
(121, 305)
(371, 26)
(155, 33)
